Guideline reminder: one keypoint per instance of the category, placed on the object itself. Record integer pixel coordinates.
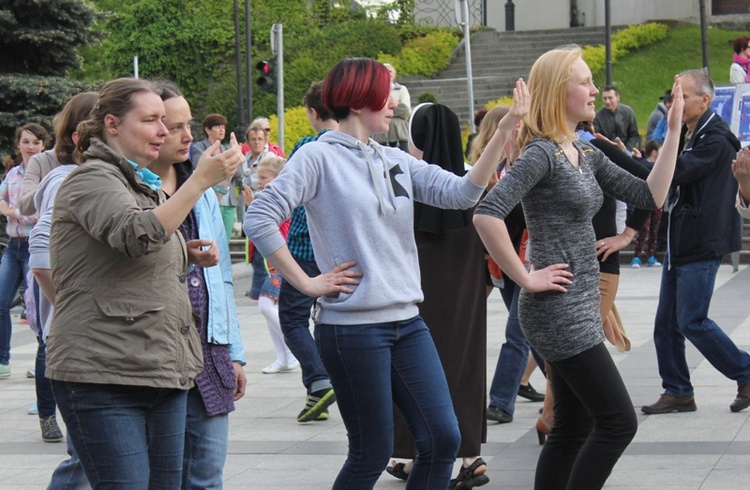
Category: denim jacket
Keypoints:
(222, 327)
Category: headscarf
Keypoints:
(434, 129)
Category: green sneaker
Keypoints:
(316, 404)
(4, 371)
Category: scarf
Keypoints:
(744, 63)
(147, 176)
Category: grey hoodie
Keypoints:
(44, 201)
(359, 200)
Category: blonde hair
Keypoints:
(486, 131)
(272, 163)
(548, 85)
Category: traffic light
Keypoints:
(267, 79)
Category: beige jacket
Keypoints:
(122, 312)
(398, 130)
(38, 166)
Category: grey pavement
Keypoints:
(707, 449)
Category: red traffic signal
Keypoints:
(267, 79)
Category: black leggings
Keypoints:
(594, 423)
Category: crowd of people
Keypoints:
(121, 233)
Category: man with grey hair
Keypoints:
(398, 130)
(703, 226)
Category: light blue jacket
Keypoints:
(222, 326)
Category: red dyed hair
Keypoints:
(354, 83)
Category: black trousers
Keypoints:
(594, 423)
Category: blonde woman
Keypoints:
(560, 182)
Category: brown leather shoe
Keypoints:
(743, 398)
(670, 403)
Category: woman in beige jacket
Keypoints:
(123, 349)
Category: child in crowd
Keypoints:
(268, 301)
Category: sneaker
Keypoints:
(530, 393)
(652, 262)
(635, 263)
(4, 371)
(33, 410)
(31, 373)
(315, 404)
(323, 416)
(50, 430)
(278, 367)
(498, 415)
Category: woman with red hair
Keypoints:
(360, 197)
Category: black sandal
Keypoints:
(397, 470)
(466, 478)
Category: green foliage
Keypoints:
(296, 126)
(427, 97)
(424, 55)
(25, 99)
(177, 40)
(308, 59)
(41, 36)
(501, 101)
(624, 41)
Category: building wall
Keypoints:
(555, 14)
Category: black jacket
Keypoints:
(703, 222)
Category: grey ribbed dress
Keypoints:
(559, 201)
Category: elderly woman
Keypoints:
(123, 350)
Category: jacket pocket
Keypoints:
(128, 309)
(688, 232)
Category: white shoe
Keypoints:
(278, 367)
(31, 373)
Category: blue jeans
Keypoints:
(206, 442)
(682, 313)
(514, 354)
(69, 474)
(512, 361)
(373, 366)
(127, 437)
(14, 264)
(259, 275)
(45, 399)
(294, 316)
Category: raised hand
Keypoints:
(674, 116)
(214, 167)
(741, 171)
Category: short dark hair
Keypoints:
(740, 43)
(610, 88)
(35, 129)
(650, 147)
(355, 83)
(313, 99)
(479, 116)
(212, 120)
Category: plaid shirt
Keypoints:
(10, 191)
(298, 240)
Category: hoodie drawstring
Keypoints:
(374, 175)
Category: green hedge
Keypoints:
(424, 55)
(624, 41)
